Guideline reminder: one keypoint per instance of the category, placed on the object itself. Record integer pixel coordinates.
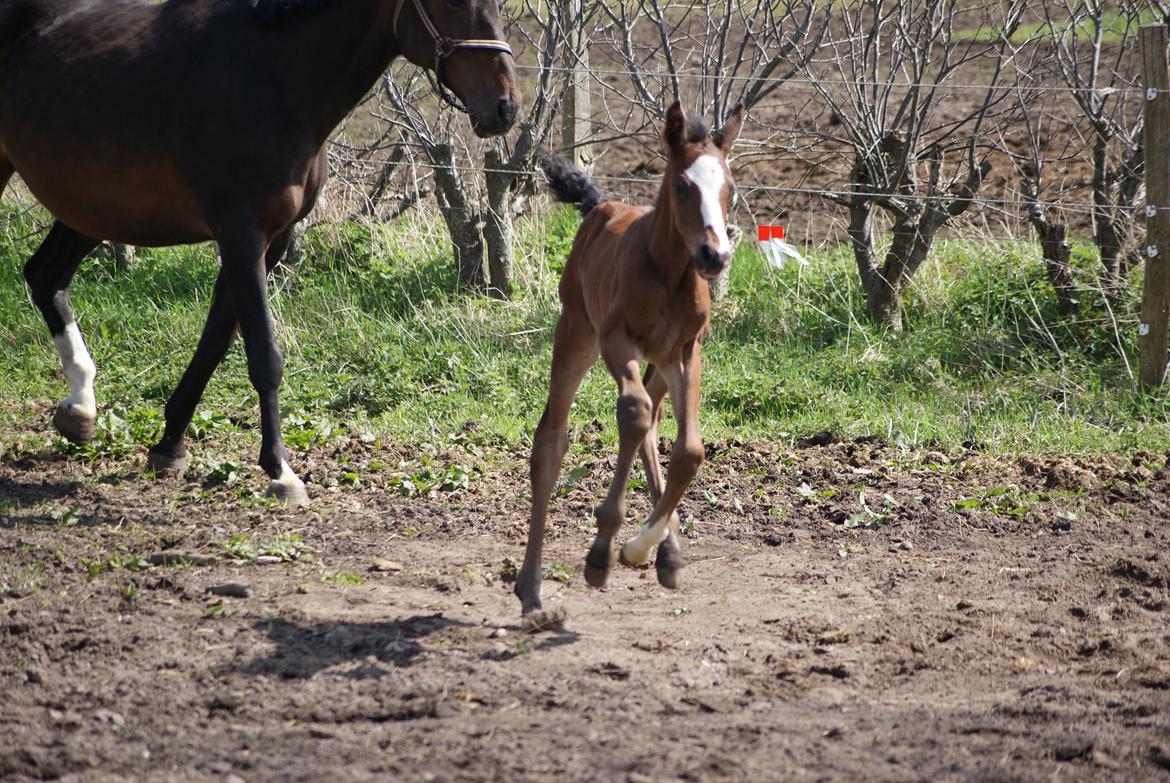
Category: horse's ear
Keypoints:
(675, 131)
(725, 137)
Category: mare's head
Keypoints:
(462, 41)
(698, 185)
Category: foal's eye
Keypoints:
(681, 187)
(457, 3)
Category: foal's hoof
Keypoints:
(73, 424)
(288, 489)
(668, 564)
(597, 566)
(631, 556)
(166, 465)
(544, 620)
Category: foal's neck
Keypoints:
(667, 247)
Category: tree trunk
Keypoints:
(1053, 247)
(123, 256)
(497, 230)
(463, 222)
(1105, 234)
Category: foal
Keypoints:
(635, 289)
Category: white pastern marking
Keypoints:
(708, 174)
(79, 370)
(653, 533)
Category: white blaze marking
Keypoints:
(707, 173)
(637, 550)
(79, 370)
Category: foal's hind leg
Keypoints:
(245, 277)
(669, 560)
(574, 352)
(49, 272)
(168, 456)
(634, 413)
(6, 171)
(686, 456)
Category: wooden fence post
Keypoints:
(1155, 318)
(577, 109)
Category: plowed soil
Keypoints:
(850, 611)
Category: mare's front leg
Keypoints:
(634, 419)
(48, 273)
(682, 379)
(669, 560)
(169, 455)
(245, 275)
(574, 352)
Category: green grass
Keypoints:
(378, 344)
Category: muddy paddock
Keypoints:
(850, 611)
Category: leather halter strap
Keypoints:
(445, 46)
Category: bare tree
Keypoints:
(917, 157)
(1092, 45)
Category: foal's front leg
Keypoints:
(634, 418)
(682, 379)
(669, 560)
(246, 277)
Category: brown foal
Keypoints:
(635, 289)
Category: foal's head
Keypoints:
(462, 41)
(698, 186)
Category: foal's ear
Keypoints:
(674, 133)
(726, 136)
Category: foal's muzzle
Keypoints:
(710, 263)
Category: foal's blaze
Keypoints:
(196, 120)
(634, 289)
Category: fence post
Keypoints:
(1155, 318)
(577, 108)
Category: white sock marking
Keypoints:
(79, 370)
(707, 173)
(653, 533)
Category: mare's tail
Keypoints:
(568, 183)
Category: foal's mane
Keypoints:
(271, 13)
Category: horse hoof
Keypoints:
(596, 577)
(166, 465)
(668, 576)
(74, 426)
(630, 557)
(288, 489)
(543, 620)
(597, 564)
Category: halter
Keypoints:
(445, 47)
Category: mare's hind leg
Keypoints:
(574, 352)
(669, 560)
(49, 272)
(169, 455)
(634, 413)
(245, 276)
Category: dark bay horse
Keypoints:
(198, 120)
(635, 289)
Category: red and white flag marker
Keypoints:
(775, 249)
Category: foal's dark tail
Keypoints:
(568, 183)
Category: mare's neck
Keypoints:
(667, 247)
(333, 57)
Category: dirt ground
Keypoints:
(851, 611)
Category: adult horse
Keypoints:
(200, 120)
